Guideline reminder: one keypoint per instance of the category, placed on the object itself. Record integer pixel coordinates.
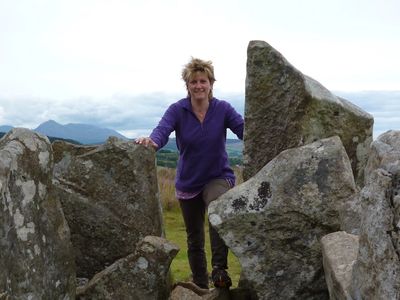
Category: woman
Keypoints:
(200, 122)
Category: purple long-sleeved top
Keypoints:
(202, 153)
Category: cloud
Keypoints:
(136, 115)
(384, 106)
(69, 49)
(120, 112)
(132, 115)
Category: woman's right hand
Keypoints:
(146, 141)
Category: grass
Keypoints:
(175, 230)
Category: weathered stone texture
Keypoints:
(36, 260)
(274, 221)
(189, 291)
(339, 251)
(286, 109)
(384, 154)
(109, 195)
(376, 274)
(142, 275)
(181, 293)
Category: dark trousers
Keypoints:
(193, 211)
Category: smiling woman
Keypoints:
(200, 122)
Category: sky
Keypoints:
(117, 64)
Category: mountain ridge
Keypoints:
(82, 133)
(91, 134)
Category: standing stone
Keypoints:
(274, 221)
(376, 274)
(339, 251)
(36, 257)
(286, 109)
(142, 275)
(384, 153)
(110, 199)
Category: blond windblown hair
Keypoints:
(196, 65)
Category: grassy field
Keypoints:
(175, 230)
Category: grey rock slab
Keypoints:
(286, 109)
(274, 221)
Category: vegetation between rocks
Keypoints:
(175, 228)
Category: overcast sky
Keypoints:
(117, 63)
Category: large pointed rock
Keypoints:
(36, 257)
(286, 109)
(142, 275)
(110, 198)
(274, 221)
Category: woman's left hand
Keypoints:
(146, 141)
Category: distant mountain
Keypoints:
(5, 128)
(51, 138)
(83, 133)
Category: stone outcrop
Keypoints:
(376, 273)
(274, 221)
(303, 147)
(36, 260)
(142, 275)
(286, 109)
(339, 251)
(110, 199)
(181, 293)
(189, 291)
(384, 153)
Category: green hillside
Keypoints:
(168, 155)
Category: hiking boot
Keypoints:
(221, 278)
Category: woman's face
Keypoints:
(199, 87)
